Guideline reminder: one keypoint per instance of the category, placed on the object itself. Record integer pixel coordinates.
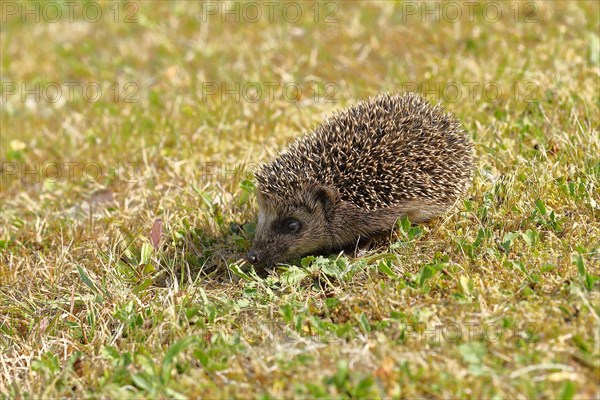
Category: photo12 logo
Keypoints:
(68, 171)
(71, 11)
(474, 92)
(467, 331)
(56, 92)
(469, 11)
(254, 92)
(269, 11)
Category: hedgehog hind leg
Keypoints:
(421, 210)
(378, 223)
(417, 211)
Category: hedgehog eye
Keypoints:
(291, 225)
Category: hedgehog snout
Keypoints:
(253, 257)
(263, 254)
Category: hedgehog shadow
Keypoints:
(201, 255)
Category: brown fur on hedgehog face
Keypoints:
(293, 227)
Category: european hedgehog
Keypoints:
(355, 175)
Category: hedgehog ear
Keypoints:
(323, 196)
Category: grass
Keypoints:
(497, 299)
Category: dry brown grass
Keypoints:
(87, 309)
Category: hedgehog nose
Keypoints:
(253, 257)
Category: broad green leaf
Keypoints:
(567, 392)
(540, 206)
(238, 271)
(385, 267)
(578, 261)
(146, 253)
(426, 273)
(294, 275)
(364, 322)
(170, 355)
(85, 278)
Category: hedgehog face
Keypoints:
(291, 228)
